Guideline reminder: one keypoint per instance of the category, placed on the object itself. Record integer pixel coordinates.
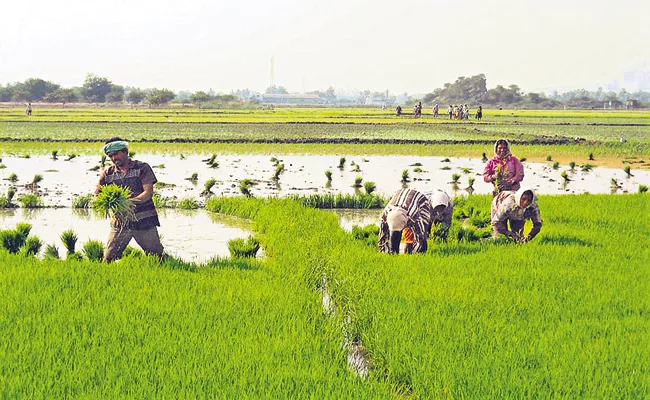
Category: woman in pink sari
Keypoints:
(503, 170)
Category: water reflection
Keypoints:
(193, 235)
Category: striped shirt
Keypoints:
(419, 213)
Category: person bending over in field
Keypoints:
(139, 178)
(407, 209)
(503, 170)
(514, 208)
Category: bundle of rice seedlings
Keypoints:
(208, 186)
(210, 160)
(25, 155)
(71, 157)
(188, 203)
(615, 184)
(82, 201)
(12, 177)
(11, 192)
(587, 167)
(643, 189)
(565, 176)
(160, 201)
(628, 171)
(328, 174)
(32, 246)
(357, 181)
(51, 251)
(131, 153)
(30, 200)
(38, 178)
(275, 161)
(484, 158)
(417, 170)
(522, 159)
(23, 229)
(245, 185)
(448, 160)
(93, 250)
(591, 157)
(69, 239)
(114, 201)
(341, 162)
(454, 178)
(466, 170)
(549, 158)
(556, 165)
(356, 168)
(405, 175)
(369, 187)
(278, 170)
(94, 168)
(102, 161)
(194, 177)
(10, 240)
(243, 248)
(417, 164)
(54, 154)
(572, 165)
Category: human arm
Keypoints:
(489, 173)
(518, 175)
(100, 182)
(537, 224)
(146, 195)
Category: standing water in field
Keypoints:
(194, 235)
(304, 174)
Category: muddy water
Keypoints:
(348, 218)
(304, 174)
(194, 235)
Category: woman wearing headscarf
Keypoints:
(407, 209)
(503, 170)
(514, 208)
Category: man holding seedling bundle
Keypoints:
(408, 209)
(138, 178)
(515, 208)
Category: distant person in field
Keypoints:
(398, 111)
(408, 208)
(450, 111)
(436, 109)
(28, 110)
(465, 112)
(513, 208)
(139, 178)
(504, 170)
(479, 113)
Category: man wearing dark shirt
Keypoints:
(139, 178)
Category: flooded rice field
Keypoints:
(193, 235)
(303, 174)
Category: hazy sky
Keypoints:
(413, 46)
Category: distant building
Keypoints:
(293, 98)
(632, 104)
(613, 105)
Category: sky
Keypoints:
(412, 47)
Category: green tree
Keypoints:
(276, 90)
(61, 96)
(37, 89)
(116, 95)
(157, 97)
(135, 96)
(199, 98)
(96, 88)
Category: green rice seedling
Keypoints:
(628, 171)
(470, 182)
(484, 158)
(131, 153)
(102, 161)
(365, 160)
(82, 201)
(210, 159)
(614, 184)
(12, 240)
(455, 177)
(93, 250)
(132, 252)
(369, 187)
(446, 168)
(161, 166)
(55, 154)
(214, 164)
(405, 176)
(71, 157)
(209, 184)
(23, 230)
(353, 163)
(357, 181)
(643, 189)
(114, 201)
(417, 164)
(13, 177)
(549, 158)
(328, 174)
(182, 157)
(188, 203)
(245, 186)
(572, 166)
(368, 235)
(32, 246)
(466, 170)
(356, 168)
(591, 157)
(51, 252)
(565, 176)
(447, 160)
(278, 170)
(417, 170)
(194, 177)
(587, 167)
(523, 159)
(160, 201)
(25, 155)
(556, 165)
(4, 203)
(69, 239)
(95, 168)
(275, 161)
(2, 166)
(243, 248)
(38, 178)
(11, 192)
(30, 200)
(341, 163)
